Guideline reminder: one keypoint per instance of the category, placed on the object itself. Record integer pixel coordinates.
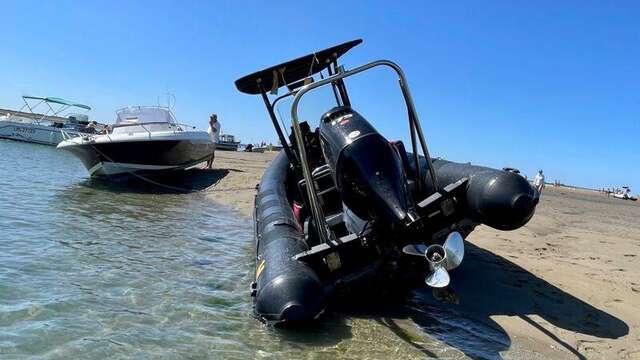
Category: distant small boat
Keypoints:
(144, 139)
(227, 142)
(624, 194)
(263, 148)
(49, 128)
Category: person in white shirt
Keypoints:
(214, 131)
(538, 181)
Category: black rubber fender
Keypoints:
(286, 290)
(500, 199)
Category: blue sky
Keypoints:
(546, 84)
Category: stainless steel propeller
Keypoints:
(441, 258)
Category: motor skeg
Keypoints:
(367, 170)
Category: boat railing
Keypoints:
(144, 127)
(176, 127)
(65, 136)
(182, 127)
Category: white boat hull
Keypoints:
(39, 134)
(227, 146)
(136, 153)
(624, 197)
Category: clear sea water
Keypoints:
(91, 270)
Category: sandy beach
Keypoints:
(572, 280)
(239, 174)
(566, 285)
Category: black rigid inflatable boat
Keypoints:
(372, 211)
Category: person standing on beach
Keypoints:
(214, 132)
(538, 181)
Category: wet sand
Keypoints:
(566, 285)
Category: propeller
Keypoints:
(441, 258)
(418, 250)
(439, 278)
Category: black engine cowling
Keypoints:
(367, 170)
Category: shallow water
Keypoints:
(92, 270)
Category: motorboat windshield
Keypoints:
(134, 115)
(146, 120)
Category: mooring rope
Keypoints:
(234, 189)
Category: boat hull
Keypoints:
(285, 290)
(114, 158)
(624, 197)
(33, 133)
(227, 146)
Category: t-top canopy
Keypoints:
(143, 114)
(56, 100)
(294, 70)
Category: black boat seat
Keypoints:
(400, 149)
(404, 158)
(325, 188)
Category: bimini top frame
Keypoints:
(290, 72)
(294, 74)
(297, 76)
(51, 112)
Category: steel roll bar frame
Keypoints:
(414, 125)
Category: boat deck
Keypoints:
(34, 116)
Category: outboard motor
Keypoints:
(367, 171)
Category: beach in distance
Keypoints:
(566, 285)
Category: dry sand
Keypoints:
(240, 173)
(577, 262)
(566, 285)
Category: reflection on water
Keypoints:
(90, 269)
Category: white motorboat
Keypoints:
(144, 139)
(624, 194)
(227, 142)
(47, 128)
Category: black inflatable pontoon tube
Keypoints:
(500, 199)
(287, 290)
